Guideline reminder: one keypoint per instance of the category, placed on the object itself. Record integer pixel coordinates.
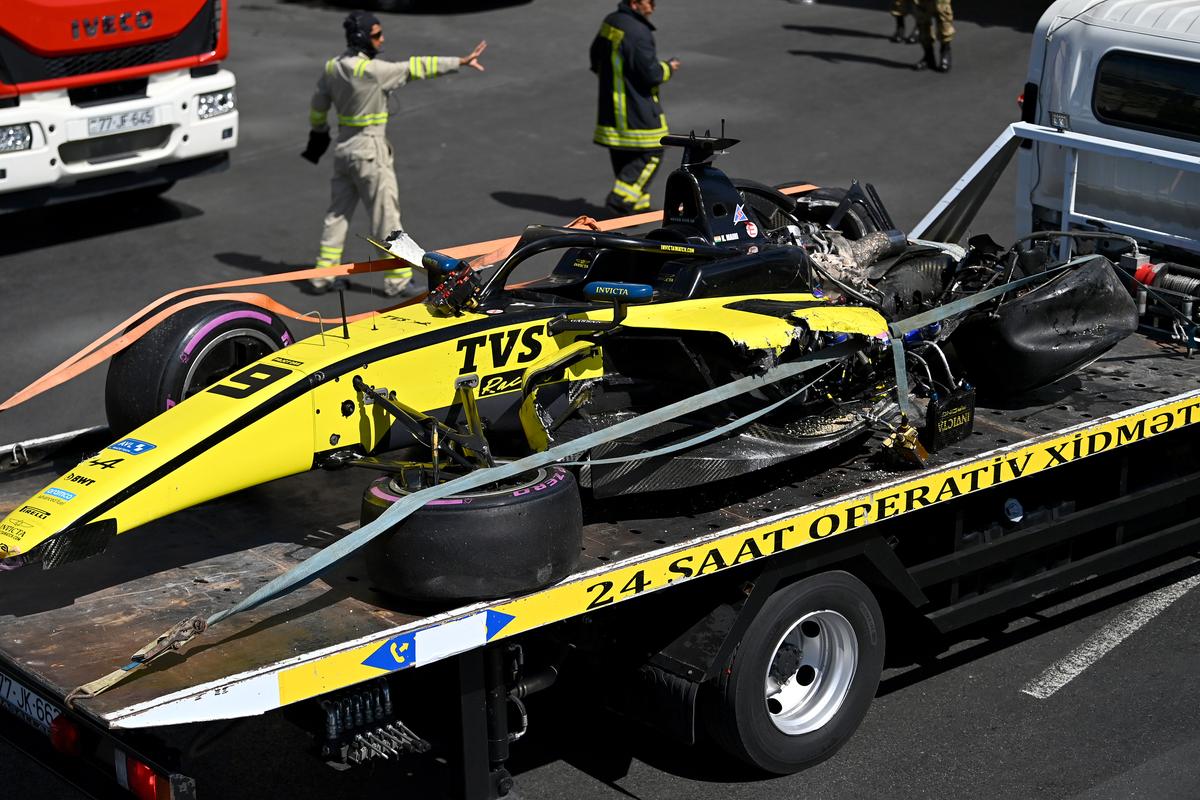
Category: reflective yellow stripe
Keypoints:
(642, 204)
(628, 191)
(609, 136)
(402, 272)
(647, 174)
(361, 67)
(330, 65)
(616, 36)
(326, 262)
(666, 71)
(420, 67)
(363, 121)
(331, 252)
(317, 117)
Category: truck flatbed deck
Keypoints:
(69, 626)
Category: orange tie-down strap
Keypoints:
(122, 335)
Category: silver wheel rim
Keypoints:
(810, 672)
(198, 377)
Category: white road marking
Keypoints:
(1098, 644)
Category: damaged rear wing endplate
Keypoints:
(951, 217)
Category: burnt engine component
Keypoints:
(1047, 332)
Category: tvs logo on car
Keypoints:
(503, 347)
(111, 24)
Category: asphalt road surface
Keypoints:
(1091, 700)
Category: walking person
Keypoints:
(900, 10)
(357, 85)
(934, 14)
(629, 119)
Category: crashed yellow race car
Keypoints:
(739, 279)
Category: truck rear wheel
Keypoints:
(188, 352)
(515, 537)
(802, 677)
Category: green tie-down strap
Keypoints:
(309, 569)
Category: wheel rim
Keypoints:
(223, 356)
(810, 672)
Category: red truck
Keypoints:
(99, 96)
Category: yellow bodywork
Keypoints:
(273, 418)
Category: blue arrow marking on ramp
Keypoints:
(496, 620)
(396, 653)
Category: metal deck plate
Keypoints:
(70, 625)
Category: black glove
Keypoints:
(318, 143)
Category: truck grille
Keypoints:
(66, 66)
(110, 148)
(19, 65)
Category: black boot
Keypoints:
(944, 63)
(898, 34)
(913, 37)
(928, 61)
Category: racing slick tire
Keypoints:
(493, 542)
(775, 208)
(187, 352)
(820, 204)
(803, 675)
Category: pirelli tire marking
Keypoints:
(724, 549)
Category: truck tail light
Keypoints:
(143, 781)
(140, 778)
(64, 736)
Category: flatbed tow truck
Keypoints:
(1093, 476)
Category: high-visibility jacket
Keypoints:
(629, 115)
(357, 87)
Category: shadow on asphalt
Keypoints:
(607, 745)
(36, 228)
(555, 206)
(825, 30)
(1001, 640)
(1021, 15)
(414, 6)
(854, 58)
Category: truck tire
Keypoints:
(493, 542)
(803, 676)
(187, 352)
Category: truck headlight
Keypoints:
(214, 104)
(15, 137)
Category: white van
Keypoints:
(1124, 70)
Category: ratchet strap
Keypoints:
(121, 336)
(179, 635)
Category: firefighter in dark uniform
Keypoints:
(630, 121)
(357, 84)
